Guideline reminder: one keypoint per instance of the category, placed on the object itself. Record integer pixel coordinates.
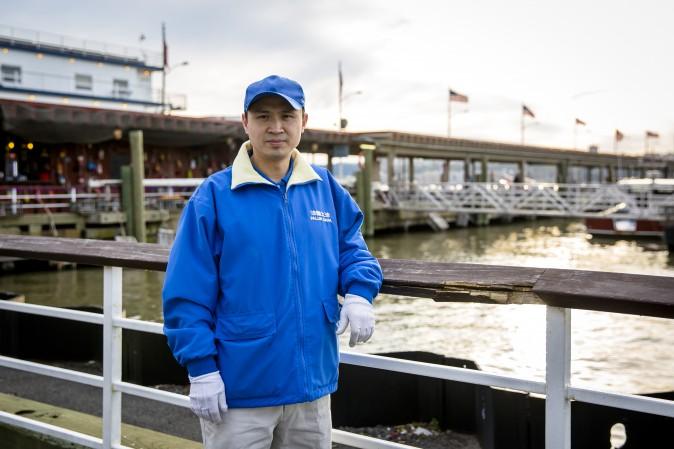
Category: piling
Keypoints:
(138, 193)
(669, 228)
(126, 197)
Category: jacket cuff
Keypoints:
(201, 366)
(362, 291)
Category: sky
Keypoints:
(606, 62)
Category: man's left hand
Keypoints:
(359, 313)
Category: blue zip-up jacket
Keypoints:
(252, 281)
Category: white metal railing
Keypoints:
(65, 43)
(557, 386)
(543, 199)
(159, 194)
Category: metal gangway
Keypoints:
(634, 199)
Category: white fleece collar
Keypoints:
(243, 171)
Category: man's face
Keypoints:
(274, 127)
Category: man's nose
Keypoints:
(275, 125)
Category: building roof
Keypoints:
(54, 123)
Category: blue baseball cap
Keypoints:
(286, 88)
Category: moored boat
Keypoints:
(651, 226)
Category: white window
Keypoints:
(120, 88)
(83, 82)
(11, 74)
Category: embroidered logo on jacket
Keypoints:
(318, 215)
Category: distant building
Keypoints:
(48, 68)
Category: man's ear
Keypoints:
(305, 117)
(244, 120)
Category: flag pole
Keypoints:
(164, 68)
(575, 132)
(340, 83)
(522, 126)
(620, 158)
(449, 113)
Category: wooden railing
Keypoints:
(559, 290)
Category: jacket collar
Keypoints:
(243, 171)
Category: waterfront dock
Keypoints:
(57, 187)
(566, 408)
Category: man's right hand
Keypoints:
(207, 396)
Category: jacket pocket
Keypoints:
(331, 309)
(245, 326)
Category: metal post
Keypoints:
(138, 173)
(522, 168)
(14, 200)
(557, 378)
(390, 168)
(446, 165)
(484, 176)
(112, 357)
(411, 173)
(562, 172)
(612, 174)
(73, 195)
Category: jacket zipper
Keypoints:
(293, 254)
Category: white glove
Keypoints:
(207, 396)
(358, 312)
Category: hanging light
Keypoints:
(29, 145)
(10, 145)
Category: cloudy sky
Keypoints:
(606, 62)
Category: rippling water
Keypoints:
(609, 351)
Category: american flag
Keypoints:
(652, 134)
(527, 111)
(618, 135)
(580, 122)
(455, 96)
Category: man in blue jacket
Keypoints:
(262, 250)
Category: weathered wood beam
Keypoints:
(443, 282)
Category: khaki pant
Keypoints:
(306, 425)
